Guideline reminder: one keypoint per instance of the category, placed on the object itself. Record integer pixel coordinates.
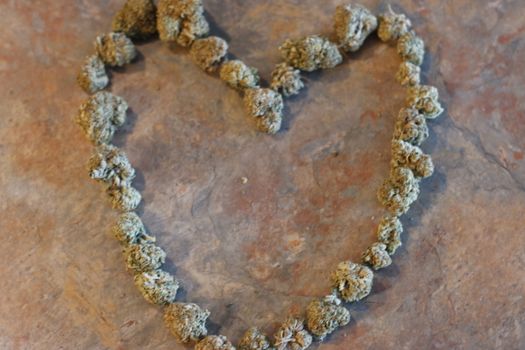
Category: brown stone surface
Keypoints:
(252, 253)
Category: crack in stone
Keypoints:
(475, 139)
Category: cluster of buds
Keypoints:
(183, 22)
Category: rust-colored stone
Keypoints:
(253, 252)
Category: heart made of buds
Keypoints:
(183, 22)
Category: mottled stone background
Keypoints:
(252, 253)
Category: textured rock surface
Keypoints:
(249, 252)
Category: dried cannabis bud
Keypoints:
(214, 342)
(144, 256)
(411, 127)
(392, 25)
(352, 281)
(286, 79)
(408, 74)
(129, 229)
(399, 191)
(238, 75)
(115, 49)
(292, 336)
(124, 198)
(407, 155)
(261, 102)
(208, 53)
(157, 287)
(323, 316)
(425, 99)
(389, 233)
(137, 19)
(181, 21)
(100, 116)
(266, 105)
(270, 124)
(92, 77)
(110, 165)
(253, 339)
(187, 322)
(311, 53)
(377, 256)
(411, 48)
(353, 23)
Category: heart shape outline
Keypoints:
(422, 99)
